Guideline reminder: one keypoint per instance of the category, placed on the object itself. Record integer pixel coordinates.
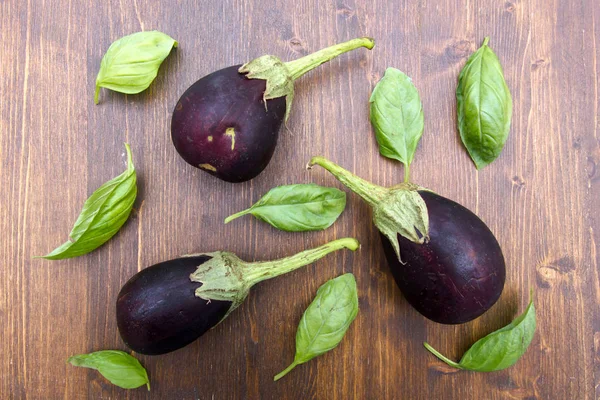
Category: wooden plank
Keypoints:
(540, 197)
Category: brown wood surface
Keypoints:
(540, 198)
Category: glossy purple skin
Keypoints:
(158, 312)
(456, 276)
(227, 99)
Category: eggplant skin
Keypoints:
(158, 312)
(456, 276)
(222, 125)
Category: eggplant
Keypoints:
(445, 260)
(227, 123)
(169, 305)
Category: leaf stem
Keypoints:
(255, 272)
(130, 166)
(406, 172)
(302, 65)
(236, 215)
(441, 356)
(285, 371)
(370, 192)
(486, 41)
(97, 95)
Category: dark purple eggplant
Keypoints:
(169, 305)
(445, 260)
(228, 122)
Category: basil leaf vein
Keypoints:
(118, 367)
(102, 215)
(132, 62)
(326, 320)
(298, 208)
(397, 117)
(500, 349)
(484, 106)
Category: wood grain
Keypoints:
(540, 198)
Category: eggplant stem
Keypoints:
(285, 371)
(370, 192)
(304, 64)
(255, 272)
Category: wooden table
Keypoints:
(540, 198)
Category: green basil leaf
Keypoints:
(397, 117)
(500, 349)
(326, 320)
(298, 208)
(484, 106)
(118, 367)
(103, 214)
(131, 63)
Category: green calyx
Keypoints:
(279, 79)
(226, 277)
(280, 76)
(397, 210)
(221, 279)
(402, 211)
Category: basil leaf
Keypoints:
(397, 117)
(298, 208)
(484, 106)
(326, 320)
(131, 63)
(500, 349)
(103, 214)
(118, 367)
